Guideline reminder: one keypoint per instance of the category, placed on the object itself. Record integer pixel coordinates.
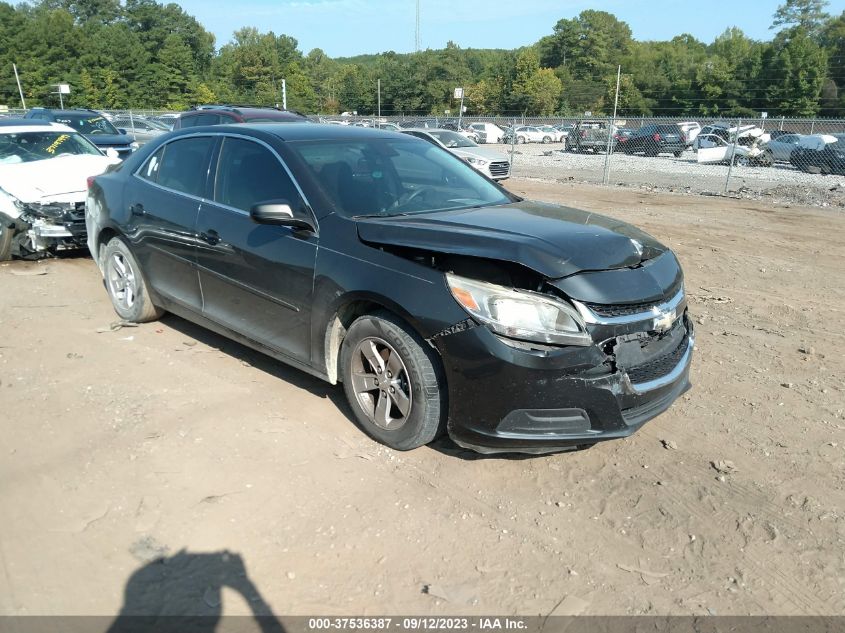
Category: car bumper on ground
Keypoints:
(506, 399)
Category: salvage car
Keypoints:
(442, 302)
(91, 124)
(490, 162)
(43, 171)
(781, 146)
(654, 139)
(140, 128)
(820, 154)
(526, 134)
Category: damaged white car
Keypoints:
(747, 142)
(44, 169)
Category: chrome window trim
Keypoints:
(672, 376)
(677, 303)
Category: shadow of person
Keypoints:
(183, 593)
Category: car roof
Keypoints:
(82, 111)
(300, 131)
(245, 110)
(11, 126)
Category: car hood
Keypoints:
(109, 140)
(59, 179)
(551, 240)
(487, 153)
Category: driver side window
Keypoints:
(249, 173)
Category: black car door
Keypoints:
(163, 201)
(256, 279)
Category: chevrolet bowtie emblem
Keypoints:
(663, 322)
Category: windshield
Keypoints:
(388, 177)
(27, 147)
(451, 139)
(90, 125)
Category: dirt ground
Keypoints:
(118, 448)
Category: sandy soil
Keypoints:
(118, 448)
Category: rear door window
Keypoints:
(184, 165)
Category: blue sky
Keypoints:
(352, 27)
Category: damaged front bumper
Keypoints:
(506, 396)
(51, 226)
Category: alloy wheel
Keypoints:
(381, 383)
(123, 285)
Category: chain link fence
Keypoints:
(794, 159)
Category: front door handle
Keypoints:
(137, 209)
(211, 236)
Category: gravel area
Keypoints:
(782, 183)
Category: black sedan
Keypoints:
(442, 302)
(829, 159)
(652, 140)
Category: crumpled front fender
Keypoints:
(8, 206)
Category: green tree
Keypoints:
(798, 65)
(806, 14)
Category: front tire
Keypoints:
(7, 232)
(126, 285)
(393, 382)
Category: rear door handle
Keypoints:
(211, 237)
(137, 209)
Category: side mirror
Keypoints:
(121, 130)
(280, 213)
(112, 153)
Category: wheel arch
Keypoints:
(343, 314)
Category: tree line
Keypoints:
(142, 54)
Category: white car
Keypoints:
(531, 134)
(490, 132)
(557, 135)
(490, 162)
(44, 169)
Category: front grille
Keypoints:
(620, 309)
(627, 309)
(500, 168)
(659, 367)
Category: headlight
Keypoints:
(133, 146)
(520, 314)
(476, 161)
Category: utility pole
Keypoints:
(20, 91)
(284, 95)
(379, 100)
(417, 42)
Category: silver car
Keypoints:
(781, 147)
(490, 162)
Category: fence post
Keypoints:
(513, 141)
(733, 155)
(611, 125)
(812, 126)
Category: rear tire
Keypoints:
(126, 285)
(393, 382)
